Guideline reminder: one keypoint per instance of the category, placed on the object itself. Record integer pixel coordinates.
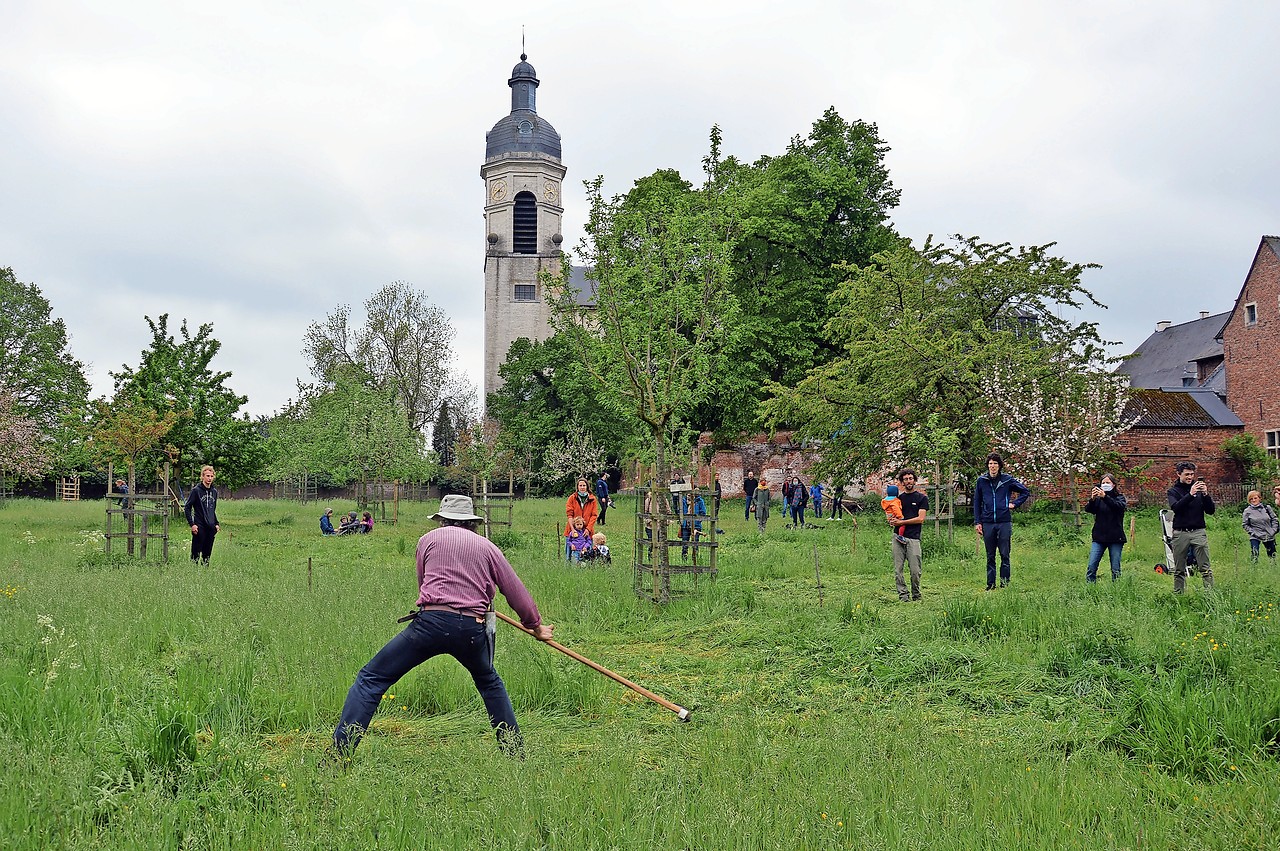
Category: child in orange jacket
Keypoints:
(892, 507)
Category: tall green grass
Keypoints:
(165, 705)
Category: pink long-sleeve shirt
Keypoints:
(464, 570)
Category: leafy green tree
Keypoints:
(46, 384)
(405, 345)
(482, 454)
(922, 332)
(127, 430)
(664, 310)
(1255, 465)
(350, 433)
(444, 436)
(823, 203)
(546, 389)
(176, 375)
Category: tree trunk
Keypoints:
(661, 493)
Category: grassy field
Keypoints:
(173, 706)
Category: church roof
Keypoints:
(583, 286)
(523, 130)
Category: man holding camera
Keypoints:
(1190, 501)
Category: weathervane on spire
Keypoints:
(523, 53)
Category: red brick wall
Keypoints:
(770, 458)
(1165, 447)
(1253, 352)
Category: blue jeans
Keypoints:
(1095, 558)
(797, 514)
(997, 537)
(1255, 543)
(427, 635)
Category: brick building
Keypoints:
(1251, 343)
(1198, 383)
(1173, 426)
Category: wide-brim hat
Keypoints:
(455, 506)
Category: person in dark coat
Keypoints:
(1190, 502)
(1107, 505)
(201, 510)
(749, 485)
(602, 496)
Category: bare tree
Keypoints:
(406, 344)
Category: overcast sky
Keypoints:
(255, 164)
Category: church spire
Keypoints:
(524, 86)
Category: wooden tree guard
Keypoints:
(490, 503)
(377, 505)
(939, 514)
(69, 489)
(652, 580)
(142, 514)
(302, 487)
(1072, 497)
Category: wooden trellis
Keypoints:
(69, 489)
(302, 487)
(652, 578)
(492, 504)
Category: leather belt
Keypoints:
(437, 607)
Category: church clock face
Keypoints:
(498, 190)
(550, 190)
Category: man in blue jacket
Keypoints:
(995, 495)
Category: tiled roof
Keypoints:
(1177, 408)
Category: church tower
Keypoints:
(522, 179)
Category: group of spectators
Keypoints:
(348, 524)
(583, 510)
(796, 498)
(459, 572)
(996, 494)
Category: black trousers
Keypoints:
(202, 543)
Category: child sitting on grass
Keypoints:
(599, 549)
(579, 541)
(892, 507)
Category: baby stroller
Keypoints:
(1166, 533)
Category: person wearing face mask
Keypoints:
(1107, 505)
(581, 503)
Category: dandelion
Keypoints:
(1233, 768)
(824, 815)
(284, 785)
